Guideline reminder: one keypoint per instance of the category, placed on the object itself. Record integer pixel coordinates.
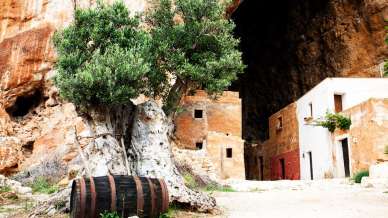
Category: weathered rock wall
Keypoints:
(290, 46)
(30, 113)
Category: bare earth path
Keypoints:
(321, 199)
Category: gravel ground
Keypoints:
(288, 199)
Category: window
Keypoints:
(199, 145)
(311, 109)
(279, 124)
(338, 103)
(198, 113)
(229, 153)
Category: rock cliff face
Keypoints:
(40, 135)
(290, 46)
(32, 121)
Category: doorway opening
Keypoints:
(310, 154)
(345, 153)
(283, 168)
(261, 160)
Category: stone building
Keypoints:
(367, 138)
(281, 150)
(323, 155)
(213, 126)
(297, 149)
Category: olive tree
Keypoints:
(193, 47)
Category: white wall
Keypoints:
(319, 140)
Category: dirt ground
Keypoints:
(326, 199)
(293, 199)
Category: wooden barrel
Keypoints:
(127, 195)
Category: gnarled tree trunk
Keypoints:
(150, 155)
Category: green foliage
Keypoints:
(102, 56)
(42, 185)
(358, 176)
(108, 214)
(106, 57)
(215, 187)
(386, 149)
(171, 212)
(4, 189)
(194, 42)
(333, 121)
(190, 181)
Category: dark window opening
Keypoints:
(229, 153)
(311, 109)
(279, 124)
(338, 103)
(199, 145)
(198, 113)
(283, 168)
(24, 104)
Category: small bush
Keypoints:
(108, 214)
(41, 185)
(333, 121)
(358, 176)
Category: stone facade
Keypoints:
(368, 135)
(281, 150)
(215, 126)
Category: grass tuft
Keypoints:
(214, 187)
(41, 185)
(171, 212)
(190, 181)
(108, 214)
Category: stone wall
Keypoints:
(218, 129)
(291, 166)
(367, 136)
(228, 166)
(283, 143)
(218, 115)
